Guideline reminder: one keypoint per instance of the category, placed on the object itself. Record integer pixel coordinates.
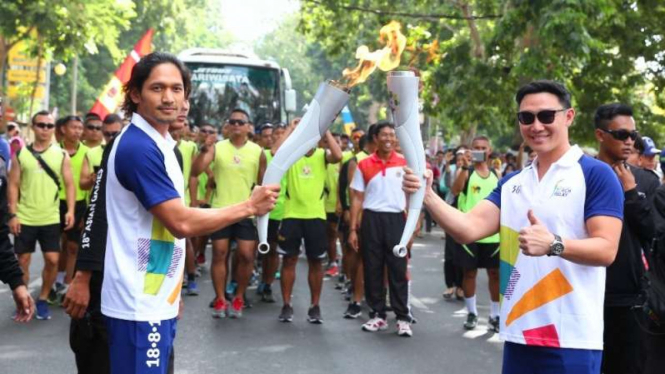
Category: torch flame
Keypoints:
(387, 58)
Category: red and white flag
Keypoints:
(112, 95)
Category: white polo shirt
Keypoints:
(144, 263)
(549, 301)
(381, 182)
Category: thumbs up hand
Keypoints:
(535, 240)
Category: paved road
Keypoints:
(258, 343)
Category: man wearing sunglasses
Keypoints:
(34, 205)
(560, 220)
(239, 165)
(616, 135)
(110, 128)
(92, 130)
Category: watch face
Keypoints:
(557, 249)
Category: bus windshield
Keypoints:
(219, 88)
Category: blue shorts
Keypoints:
(140, 347)
(528, 359)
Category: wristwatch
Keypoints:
(556, 247)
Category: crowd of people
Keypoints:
(124, 209)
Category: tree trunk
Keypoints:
(478, 47)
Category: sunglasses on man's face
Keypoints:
(93, 128)
(546, 117)
(622, 134)
(111, 134)
(45, 125)
(207, 132)
(234, 122)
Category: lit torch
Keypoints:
(403, 87)
(327, 103)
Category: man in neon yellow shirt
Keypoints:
(71, 129)
(34, 204)
(110, 129)
(239, 165)
(473, 185)
(304, 218)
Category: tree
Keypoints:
(63, 28)
(178, 25)
(603, 50)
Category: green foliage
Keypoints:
(603, 50)
(178, 25)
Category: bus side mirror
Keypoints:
(290, 100)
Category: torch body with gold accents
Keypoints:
(403, 88)
(321, 112)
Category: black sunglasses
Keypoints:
(45, 125)
(93, 127)
(545, 117)
(110, 134)
(622, 134)
(234, 122)
(208, 132)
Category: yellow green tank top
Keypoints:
(332, 184)
(305, 184)
(188, 151)
(76, 161)
(94, 157)
(277, 213)
(236, 171)
(38, 203)
(477, 189)
(346, 156)
(361, 156)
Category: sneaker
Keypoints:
(61, 293)
(278, 275)
(212, 303)
(493, 324)
(201, 259)
(314, 315)
(332, 271)
(42, 310)
(287, 313)
(259, 289)
(471, 321)
(404, 329)
(267, 296)
(375, 324)
(236, 307)
(219, 308)
(192, 288)
(231, 288)
(54, 293)
(353, 311)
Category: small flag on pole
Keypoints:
(112, 96)
(347, 118)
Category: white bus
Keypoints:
(223, 81)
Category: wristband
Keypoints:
(11, 216)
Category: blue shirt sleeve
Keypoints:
(495, 195)
(604, 194)
(140, 168)
(5, 152)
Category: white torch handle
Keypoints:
(404, 88)
(322, 110)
